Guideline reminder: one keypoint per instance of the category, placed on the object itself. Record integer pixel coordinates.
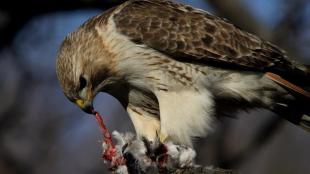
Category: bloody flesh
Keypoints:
(110, 153)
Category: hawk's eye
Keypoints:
(83, 83)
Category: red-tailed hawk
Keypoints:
(175, 68)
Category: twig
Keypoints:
(203, 170)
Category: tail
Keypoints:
(307, 68)
(305, 119)
(298, 110)
(305, 122)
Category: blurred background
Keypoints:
(42, 132)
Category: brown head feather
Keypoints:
(88, 59)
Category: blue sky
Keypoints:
(36, 45)
(266, 11)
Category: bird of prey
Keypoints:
(176, 68)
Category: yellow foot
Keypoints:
(163, 138)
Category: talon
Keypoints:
(163, 138)
(161, 155)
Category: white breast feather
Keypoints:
(185, 114)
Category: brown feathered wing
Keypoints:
(191, 35)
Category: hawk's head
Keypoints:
(83, 67)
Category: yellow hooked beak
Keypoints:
(86, 106)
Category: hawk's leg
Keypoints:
(185, 114)
(147, 127)
(145, 124)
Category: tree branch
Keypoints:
(201, 170)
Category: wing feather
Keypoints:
(188, 34)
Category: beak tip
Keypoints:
(88, 109)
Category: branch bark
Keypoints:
(203, 170)
(135, 167)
